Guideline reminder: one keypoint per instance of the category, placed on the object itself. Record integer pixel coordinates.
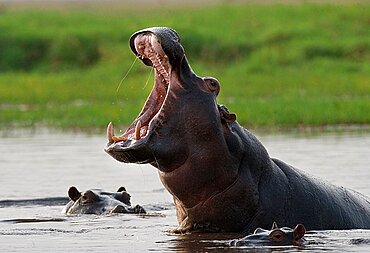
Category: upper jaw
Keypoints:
(148, 47)
(169, 40)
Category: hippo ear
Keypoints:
(231, 117)
(299, 232)
(225, 115)
(274, 226)
(121, 189)
(73, 193)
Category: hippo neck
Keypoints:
(230, 188)
(207, 168)
(193, 183)
(240, 199)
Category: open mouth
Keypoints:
(149, 49)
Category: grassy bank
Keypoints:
(279, 66)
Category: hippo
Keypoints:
(100, 202)
(275, 237)
(221, 177)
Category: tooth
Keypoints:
(118, 138)
(137, 130)
(110, 132)
(145, 129)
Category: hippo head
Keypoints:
(180, 115)
(97, 202)
(274, 237)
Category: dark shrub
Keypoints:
(73, 51)
(21, 53)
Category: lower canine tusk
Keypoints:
(137, 130)
(110, 132)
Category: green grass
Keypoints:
(280, 66)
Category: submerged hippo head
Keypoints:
(99, 202)
(274, 237)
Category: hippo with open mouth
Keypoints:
(100, 202)
(220, 175)
(275, 237)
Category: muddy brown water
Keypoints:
(43, 164)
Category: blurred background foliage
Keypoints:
(280, 65)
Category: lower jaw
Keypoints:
(132, 153)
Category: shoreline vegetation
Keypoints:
(281, 66)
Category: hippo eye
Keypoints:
(89, 197)
(212, 85)
(277, 236)
(85, 199)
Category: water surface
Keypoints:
(44, 164)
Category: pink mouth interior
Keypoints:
(148, 47)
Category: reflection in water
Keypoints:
(315, 241)
(202, 242)
(43, 165)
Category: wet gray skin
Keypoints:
(275, 237)
(100, 202)
(220, 175)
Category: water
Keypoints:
(44, 164)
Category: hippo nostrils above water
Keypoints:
(100, 202)
(220, 175)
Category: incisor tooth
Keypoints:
(118, 138)
(137, 130)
